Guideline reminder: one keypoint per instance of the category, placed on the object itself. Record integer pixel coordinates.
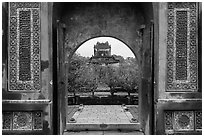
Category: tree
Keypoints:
(75, 64)
(125, 76)
(87, 80)
(81, 76)
(84, 77)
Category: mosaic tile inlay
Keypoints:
(24, 46)
(182, 54)
(22, 120)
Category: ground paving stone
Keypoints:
(93, 116)
(102, 113)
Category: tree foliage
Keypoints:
(81, 76)
(84, 77)
(125, 76)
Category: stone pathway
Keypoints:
(102, 118)
(102, 114)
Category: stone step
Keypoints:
(102, 127)
(103, 133)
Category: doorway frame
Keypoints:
(154, 80)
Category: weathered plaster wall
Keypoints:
(4, 45)
(162, 47)
(86, 21)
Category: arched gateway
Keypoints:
(39, 40)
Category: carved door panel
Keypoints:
(27, 92)
(179, 98)
(61, 76)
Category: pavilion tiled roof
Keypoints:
(102, 45)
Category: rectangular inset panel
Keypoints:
(198, 120)
(183, 120)
(27, 120)
(7, 121)
(182, 47)
(37, 121)
(168, 120)
(22, 121)
(179, 121)
(24, 47)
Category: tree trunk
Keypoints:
(128, 91)
(74, 102)
(112, 92)
(129, 94)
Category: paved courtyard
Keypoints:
(102, 119)
(107, 114)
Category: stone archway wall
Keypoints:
(119, 20)
(128, 22)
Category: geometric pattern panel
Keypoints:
(23, 120)
(168, 120)
(24, 47)
(177, 121)
(37, 121)
(198, 120)
(182, 47)
(7, 121)
(183, 120)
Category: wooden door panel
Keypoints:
(61, 76)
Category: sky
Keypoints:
(117, 47)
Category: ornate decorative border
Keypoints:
(168, 120)
(198, 119)
(7, 121)
(22, 120)
(24, 47)
(182, 50)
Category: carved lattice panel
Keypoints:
(37, 121)
(22, 120)
(198, 119)
(178, 121)
(24, 46)
(168, 120)
(7, 121)
(183, 120)
(182, 47)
